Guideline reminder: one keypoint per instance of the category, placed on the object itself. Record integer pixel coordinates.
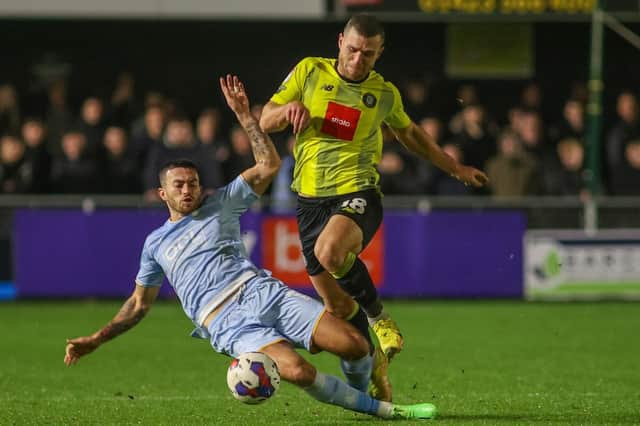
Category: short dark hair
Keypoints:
(366, 25)
(179, 118)
(175, 164)
(34, 119)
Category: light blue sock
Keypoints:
(358, 372)
(332, 390)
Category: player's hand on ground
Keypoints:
(472, 176)
(79, 347)
(235, 94)
(298, 116)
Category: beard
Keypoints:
(182, 207)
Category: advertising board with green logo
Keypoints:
(574, 265)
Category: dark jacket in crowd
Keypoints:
(75, 177)
(16, 178)
(121, 175)
(40, 162)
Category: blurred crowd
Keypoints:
(116, 145)
(523, 153)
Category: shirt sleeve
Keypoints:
(397, 117)
(237, 196)
(150, 273)
(291, 87)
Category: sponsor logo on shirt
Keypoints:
(189, 238)
(327, 87)
(340, 121)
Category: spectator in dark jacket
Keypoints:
(626, 177)
(476, 138)
(75, 172)
(566, 176)
(120, 172)
(627, 128)
(92, 126)
(15, 171)
(34, 136)
(572, 123)
(59, 118)
(150, 134)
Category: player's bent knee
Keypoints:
(357, 347)
(329, 256)
(301, 374)
(360, 345)
(341, 307)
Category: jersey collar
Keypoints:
(335, 67)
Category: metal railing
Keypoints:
(541, 212)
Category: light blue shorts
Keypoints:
(263, 312)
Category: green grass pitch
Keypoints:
(480, 362)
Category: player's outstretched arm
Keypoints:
(267, 158)
(416, 140)
(277, 117)
(133, 310)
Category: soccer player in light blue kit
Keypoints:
(236, 305)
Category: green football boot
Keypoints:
(415, 411)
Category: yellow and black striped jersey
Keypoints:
(337, 153)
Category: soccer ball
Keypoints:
(253, 377)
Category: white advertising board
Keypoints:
(571, 264)
(167, 9)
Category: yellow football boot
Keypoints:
(379, 387)
(389, 337)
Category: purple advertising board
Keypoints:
(453, 255)
(68, 253)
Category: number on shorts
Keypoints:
(356, 204)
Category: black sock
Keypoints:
(359, 285)
(359, 321)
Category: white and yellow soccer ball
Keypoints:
(253, 377)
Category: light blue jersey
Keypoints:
(202, 255)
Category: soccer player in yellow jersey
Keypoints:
(336, 108)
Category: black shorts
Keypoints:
(364, 207)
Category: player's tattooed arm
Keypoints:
(267, 159)
(263, 149)
(133, 310)
(236, 96)
(266, 155)
(129, 315)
